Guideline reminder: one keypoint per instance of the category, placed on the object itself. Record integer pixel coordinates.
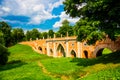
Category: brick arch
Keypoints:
(40, 49)
(61, 43)
(60, 50)
(86, 54)
(101, 47)
(73, 53)
(51, 52)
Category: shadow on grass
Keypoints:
(108, 58)
(12, 64)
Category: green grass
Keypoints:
(23, 64)
(106, 51)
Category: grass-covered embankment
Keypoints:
(25, 64)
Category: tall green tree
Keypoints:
(2, 38)
(3, 55)
(35, 34)
(6, 30)
(40, 35)
(28, 35)
(101, 14)
(45, 35)
(51, 33)
(66, 28)
(18, 35)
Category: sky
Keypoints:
(40, 14)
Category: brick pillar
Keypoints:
(67, 49)
(54, 50)
(78, 47)
(48, 49)
(81, 50)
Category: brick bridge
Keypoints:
(70, 47)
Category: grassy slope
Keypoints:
(24, 65)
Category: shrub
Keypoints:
(3, 55)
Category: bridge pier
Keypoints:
(54, 50)
(79, 49)
(67, 49)
(48, 49)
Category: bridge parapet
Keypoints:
(69, 47)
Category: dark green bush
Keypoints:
(3, 55)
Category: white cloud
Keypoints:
(36, 10)
(6, 9)
(64, 16)
(55, 5)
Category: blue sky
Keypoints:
(28, 14)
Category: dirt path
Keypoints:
(62, 77)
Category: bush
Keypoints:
(3, 55)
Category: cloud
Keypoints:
(64, 16)
(36, 10)
(6, 9)
(55, 5)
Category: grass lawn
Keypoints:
(26, 64)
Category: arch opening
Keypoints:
(61, 51)
(40, 48)
(103, 51)
(86, 54)
(73, 54)
(51, 52)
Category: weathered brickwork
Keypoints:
(70, 47)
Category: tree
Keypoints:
(51, 33)
(6, 30)
(1, 38)
(45, 35)
(3, 55)
(65, 28)
(18, 35)
(40, 35)
(85, 32)
(35, 34)
(101, 14)
(28, 35)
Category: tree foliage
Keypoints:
(101, 14)
(45, 35)
(1, 38)
(3, 55)
(66, 28)
(6, 31)
(33, 34)
(51, 33)
(18, 35)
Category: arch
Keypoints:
(73, 53)
(51, 52)
(99, 49)
(86, 54)
(40, 48)
(61, 51)
(100, 52)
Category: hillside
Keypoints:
(25, 64)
